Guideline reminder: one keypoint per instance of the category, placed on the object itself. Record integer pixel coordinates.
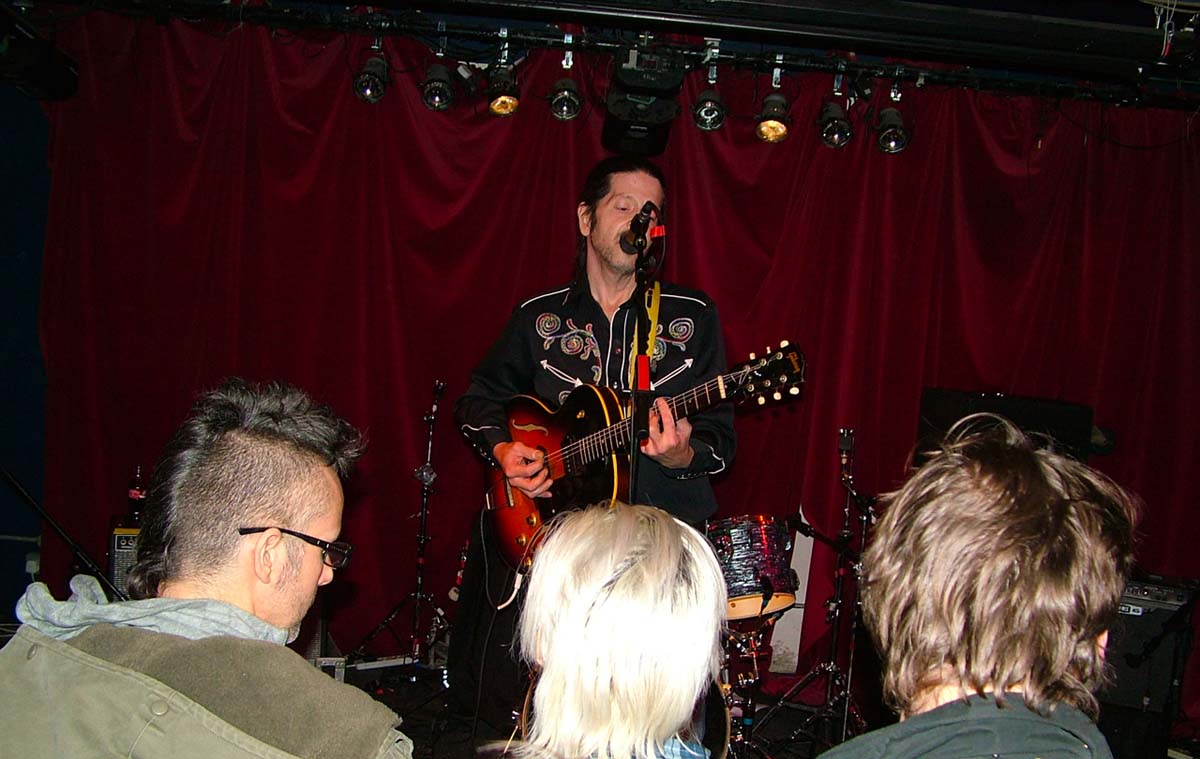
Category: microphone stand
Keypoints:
(642, 397)
(425, 475)
(837, 698)
(88, 563)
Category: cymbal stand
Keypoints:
(426, 475)
(830, 720)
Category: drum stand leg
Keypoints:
(831, 721)
(742, 741)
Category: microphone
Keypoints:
(633, 241)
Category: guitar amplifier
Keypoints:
(122, 552)
(1148, 645)
(1147, 651)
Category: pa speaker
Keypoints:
(1068, 424)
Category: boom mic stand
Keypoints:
(426, 476)
(81, 555)
(830, 720)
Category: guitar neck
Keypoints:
(616, 438)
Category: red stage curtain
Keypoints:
(222, 204)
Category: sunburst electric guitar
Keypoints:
(582, 443)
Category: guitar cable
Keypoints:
(487, 637)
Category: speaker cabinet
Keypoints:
(1147, 650)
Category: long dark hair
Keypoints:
(599, 183)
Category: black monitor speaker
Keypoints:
(1069, 425)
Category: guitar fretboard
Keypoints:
(616, 437)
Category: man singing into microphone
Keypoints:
(583, 333)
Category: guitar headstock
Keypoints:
(775, 376)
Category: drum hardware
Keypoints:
(417, 642)
(833, 719)
(754, 553)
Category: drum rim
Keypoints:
(764, 518)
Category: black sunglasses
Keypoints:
(336, 555)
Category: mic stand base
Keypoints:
(828, 721)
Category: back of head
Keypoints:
(243, 449)
(995, 568)
(622, 623)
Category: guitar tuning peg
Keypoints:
(753, 357)
(777, 395)
(793, 390)
(769, 349)
(784, 343)
(762, 401)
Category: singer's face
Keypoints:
(627, 193)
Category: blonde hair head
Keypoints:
(622, 625)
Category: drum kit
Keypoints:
(754, 552)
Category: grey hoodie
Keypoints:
(87, 606)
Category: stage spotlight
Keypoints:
(891, 134)
(565, 103)
(773, 120)
(502, 93)
(371, 82)
(709, 111)
(436, 91)
(835, 128)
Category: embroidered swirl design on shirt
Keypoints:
(572, 341)
(677, 334)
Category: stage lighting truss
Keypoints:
(565, 102)
(437, 93)
(773, 119)
(709, 111)
(371, 81)
(503, 95)
(890, 133)
(834, 126)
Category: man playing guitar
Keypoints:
(557, 342)
(583, 334)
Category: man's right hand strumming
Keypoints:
(525, 468)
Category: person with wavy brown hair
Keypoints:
(989, 586)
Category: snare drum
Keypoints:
(755, 556)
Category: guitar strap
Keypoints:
(653, 296)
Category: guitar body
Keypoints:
(518, 519)
(584, 444)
